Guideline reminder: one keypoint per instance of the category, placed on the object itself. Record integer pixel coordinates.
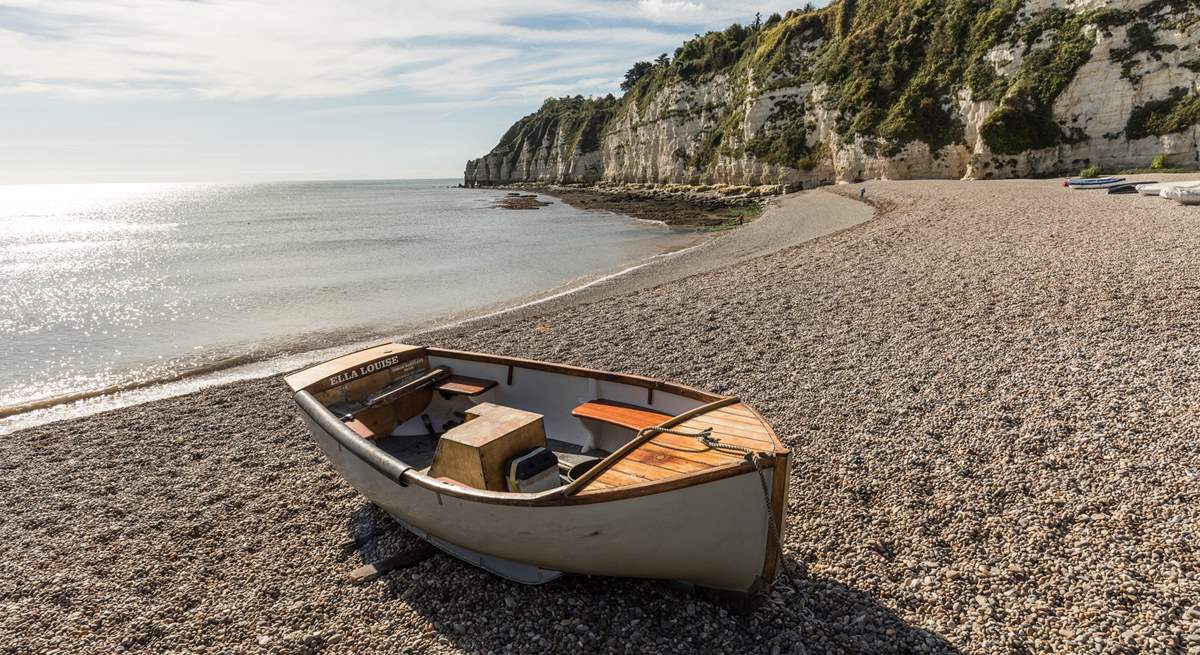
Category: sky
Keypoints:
(223, 90)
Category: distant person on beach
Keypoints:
(862, 193)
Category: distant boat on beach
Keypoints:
(530, 469)
(1124, 189)
(1159, 188)
(1093, 182)
(1150, 188)
(1184, 195)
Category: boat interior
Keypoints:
(518, 426)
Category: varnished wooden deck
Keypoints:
(668, 456)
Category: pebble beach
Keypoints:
(991, 390)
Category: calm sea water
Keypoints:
(103, 285)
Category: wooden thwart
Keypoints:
(461, 385)
(403, 559)
(621, 414)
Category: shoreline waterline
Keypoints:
(787, 221)
(118, 289)
(275, 361)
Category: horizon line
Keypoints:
(247, 181)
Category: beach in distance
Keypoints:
(989, 389)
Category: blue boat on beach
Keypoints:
(1093, 182)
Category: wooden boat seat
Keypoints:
(620, 414)
(360, 429)
(461, 385)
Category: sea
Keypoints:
(112, 294)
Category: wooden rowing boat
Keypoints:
(680, 484)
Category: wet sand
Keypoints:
(990, 388)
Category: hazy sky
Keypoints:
(141, 90)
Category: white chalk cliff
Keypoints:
(1016, 88)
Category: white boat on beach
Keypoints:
(1093, 182)
(530, 469)
(1150, 188)
(1184, 195)
(1159, 188)
(1170, 190)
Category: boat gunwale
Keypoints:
(580, 484)
(779, 449)
(404, 474)
(579, 371)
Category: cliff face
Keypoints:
(887, 88)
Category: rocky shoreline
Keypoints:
(989, 389)
(520, 201)
(708, 208)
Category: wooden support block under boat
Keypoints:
(403, 559)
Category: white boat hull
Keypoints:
(701, 534)
(1163, 188)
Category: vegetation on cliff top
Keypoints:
(581, 121)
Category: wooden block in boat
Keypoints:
(380, 421)
(476, 452)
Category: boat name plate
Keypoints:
(374, 367)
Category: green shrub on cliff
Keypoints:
(639, 70)
(1175, 113)
(1142, 41)
(783, 139)
(1025, 118)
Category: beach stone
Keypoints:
(1040, 339)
